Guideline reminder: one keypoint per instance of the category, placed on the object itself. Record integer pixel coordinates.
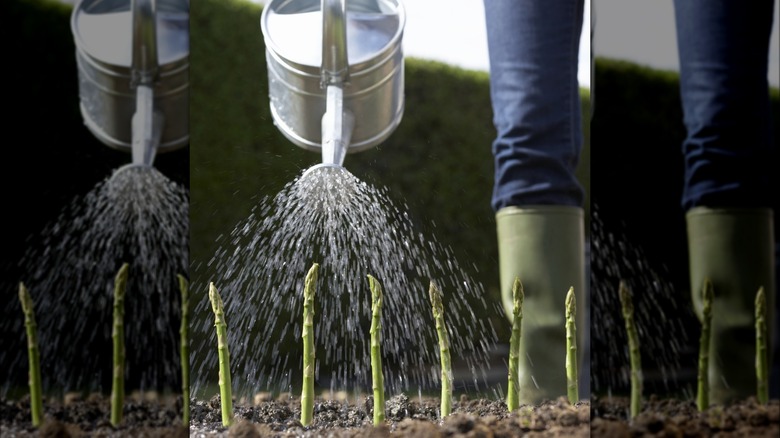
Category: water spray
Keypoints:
(347, 96)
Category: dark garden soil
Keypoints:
(77, 417)
(607, 417)
(405, 417)
(675, 418)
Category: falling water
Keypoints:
(660, 314)
(351, 229)
(136, 216)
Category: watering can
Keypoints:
(335, 72)
(133, 60)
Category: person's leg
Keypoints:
(533, 48)
(723, 49)
(538, 202)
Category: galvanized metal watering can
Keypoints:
(133, 61)
(335, 72)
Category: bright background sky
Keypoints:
(453, 31)
(641, 31)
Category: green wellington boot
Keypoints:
(733, 248)
(544, 247)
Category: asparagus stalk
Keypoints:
(571, 348)
(118, 335)
(762, 352)
(703, 384)
(307, 394)
(633, 349)
(513, 385)
(225, 389)
(33, 355)
(185, 349)
(444, 350)
(376, 351)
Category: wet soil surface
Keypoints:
(676, 418)
(405, 417)
(78, 417)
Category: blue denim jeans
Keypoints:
(723, 47)
(533, 47)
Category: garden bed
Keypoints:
(148, 416)
(675, 418)
(405, 417)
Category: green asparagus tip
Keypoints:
(625, 299)
(120, 282)
(760, 299)
(376, 290)
(25, 299)
(571, 303)
(707, 295)
(216, 300)
(517, 298)
(435, 295)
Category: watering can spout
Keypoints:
(337, 124)
(147, 127)
(146, 122)
(145, 64)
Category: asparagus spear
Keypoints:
(225, 389)
(307, 394)
(118, 335)
(703, 384)
(444, 350)
(33, 355)
(513, 385)
(633, 349)
(185, 349)
(762, 352)
(571, 347)
(376, 351)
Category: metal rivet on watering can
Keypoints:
(133, 61)
(335, 72)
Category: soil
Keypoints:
(404, 417)
(266, 417)
(147, 416)
(675, 418)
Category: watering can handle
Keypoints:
(144, 42)
(334, 42)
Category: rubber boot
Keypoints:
(734, 249)
(544, 247)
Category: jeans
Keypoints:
(723, 48)
(533, 48)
